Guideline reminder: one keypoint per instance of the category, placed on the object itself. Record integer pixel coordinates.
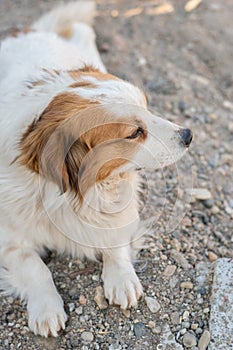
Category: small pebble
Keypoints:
(194, 326)
(183, 331)
(199, 331)
(82, 300)
(181, 106)
(95, 278)
(208, 203)
(139, 329)
(87, 336)
(152, 304)
(185, 316)
(151, 324)
(176, 244)
(186, 285)
(204, 340)
(215, 210)
(186, 325)
(169, 270)
(212, 256)
(157, 330)
(189, 340)
(180, 259)
(200, 193)
(163, 257)
(79, 310)
(100, 298)
(71, 307)
(73, 292)
(175, 318)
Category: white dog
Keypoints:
(72, 137)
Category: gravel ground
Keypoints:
(183, 61)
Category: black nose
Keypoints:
(186, 136)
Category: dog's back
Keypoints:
(61, 39)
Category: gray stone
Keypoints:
(186, 285)
(79, 310)
(87, 336)
(139, 329)
(189, 340)
(204, 340)
(200, 193)
(180, 259)
(175, 317)
(208, 203)
(152, 304)
(221, 315)
(202, 274)
(169, 270)
(71, 307)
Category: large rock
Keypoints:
(221, 316)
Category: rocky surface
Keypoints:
(183, 61)
(221, 316)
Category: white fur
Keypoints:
(33, 214)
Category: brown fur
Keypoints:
(35, 83)
(90, 71)
(83, 84)
(15, 32)
(66, 32)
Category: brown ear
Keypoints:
(43, 150)
(52, 160)
(46, 142)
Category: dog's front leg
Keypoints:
(121, 284)
(24, 274)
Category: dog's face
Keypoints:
(98, 127)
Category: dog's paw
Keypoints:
(122, 288)
(46, 316)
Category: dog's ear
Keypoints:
(46, 143)
(51, 160)
(43, 151)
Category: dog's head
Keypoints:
(97, 127)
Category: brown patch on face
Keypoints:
(76, 143)
(103, 149)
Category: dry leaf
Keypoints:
(133, 12)
(160, 10)
(191, 5)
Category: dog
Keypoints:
(72, 139)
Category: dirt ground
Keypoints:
(183, 61)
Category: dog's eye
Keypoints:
(136, 133)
